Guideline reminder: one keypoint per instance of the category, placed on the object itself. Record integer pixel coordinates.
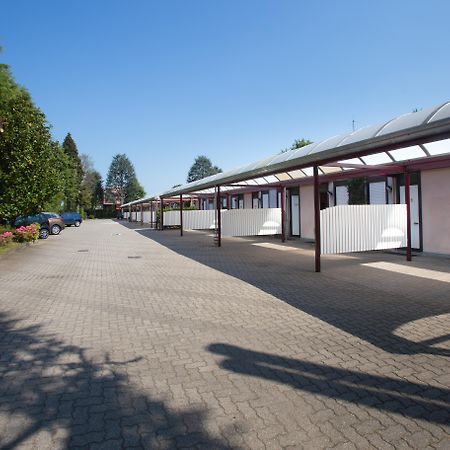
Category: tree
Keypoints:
(298, 143)
(91, 190)
(74, 174)
(31, 162)
(121, 180)
(202, 168)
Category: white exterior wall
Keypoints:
(307, 212)
(248, 200)
(435, 187)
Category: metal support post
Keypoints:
(283, 214)
(316, 219)
(219, 219)
(161, 214)
(408, 215)
(181, 214)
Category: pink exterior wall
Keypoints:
(248, 200)
(307, 212)
(436, 210)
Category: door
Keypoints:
(295, 215)
(415, 214)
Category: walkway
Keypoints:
(115, 336)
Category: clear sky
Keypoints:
(236, 80)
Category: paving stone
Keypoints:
(191, 346)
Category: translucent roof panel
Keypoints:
(377, 158)
(403, 154)
(328, 143)
(309, 171)
(442, 113)
(361, 134)
(283, 176)
(296, 174)
(438, 147)
(302, 151)
(410, 120)
(271, 179)
(329, 169)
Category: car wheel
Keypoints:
(77, 223)
(43, 233)
(56, 229)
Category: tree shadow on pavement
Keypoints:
(413, 400)
(371, 314)
(50, 388)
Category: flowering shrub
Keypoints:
(5, 237)
(27, 234)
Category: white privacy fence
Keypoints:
(357, 228)
(251, 222)
(149, 216)
(235, 222)
(192, 219)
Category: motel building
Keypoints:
(386, 186)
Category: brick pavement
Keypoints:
(122, 337)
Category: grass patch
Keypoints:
(8, 247)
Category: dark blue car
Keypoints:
(72, 218)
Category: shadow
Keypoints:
(50, 388)
(373, 311)
(413, 400)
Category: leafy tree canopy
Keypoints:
(202, 168)
(298, 143)
(121, 180)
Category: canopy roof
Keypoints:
(412, 136)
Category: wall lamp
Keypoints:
(389, 188)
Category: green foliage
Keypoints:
(30, 161)
(298, 143)
(121, 180)
(29, 233)
(91, 195)
(357, 191)
(133, 190)
(73, 174)
(202, 168)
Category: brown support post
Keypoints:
(317, 219)
(283, 214)
(129, 212)
(228, 201)
(219, 219)
(161, 216)
(408, 215)
(181, 214)
(142, 214)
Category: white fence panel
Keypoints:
(199, 219)
(192, 219)
(251, 222)
(171, 218)
(358, 228)
(126, 214)
(133, 216)
(149, 216)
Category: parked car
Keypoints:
(72, 218)
(50, 223)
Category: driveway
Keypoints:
(117, 336)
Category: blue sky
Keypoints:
(165, 81)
